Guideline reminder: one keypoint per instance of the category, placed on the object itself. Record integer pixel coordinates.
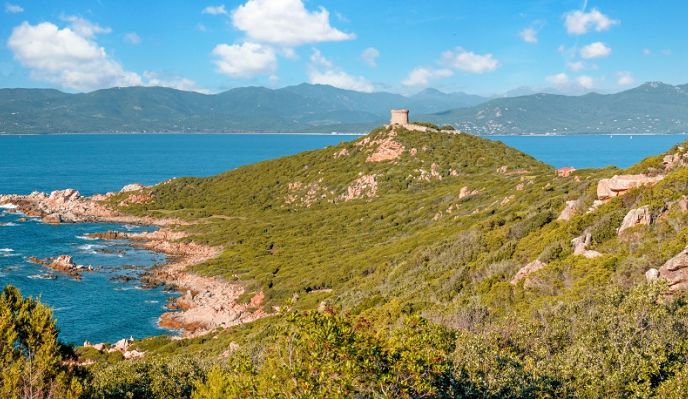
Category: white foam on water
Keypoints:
(10, 224)
(44, 276)
(150, 301)
(6, 252)
(8, 206)
(90, 248)
(87, 238)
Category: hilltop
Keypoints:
(428, 263)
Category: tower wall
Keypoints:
(400, 117)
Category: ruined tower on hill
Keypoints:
(400, 117)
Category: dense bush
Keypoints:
(31, 358)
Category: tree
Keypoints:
(30, 354)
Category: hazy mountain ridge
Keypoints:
(301, 108)
(653, 107)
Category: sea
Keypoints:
(109, 304)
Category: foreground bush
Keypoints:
(328, 356)
(31, 359)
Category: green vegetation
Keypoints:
(411, 280)
(30, 356)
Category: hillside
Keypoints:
(650, 108)
(302, 108)
(428, 264)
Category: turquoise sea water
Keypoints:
(102, 307)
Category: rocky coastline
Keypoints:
(205, 304)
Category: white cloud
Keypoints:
(83, 27)
(647, 51)
(13, 8)
(132, 37)
(571, 85)
(68, 57)
(595, 50)
(580, 22)
(529, 35)
(575, 66)
(421, 76)
(667, 52)
(624, 78)
(179, 83)
(322, 71)
(285, 23)
(585, 82)
(215, 10)
(244, 60)
(340, 79)
(469, 61)
(317, 59)
(370, 55)
(559, 79)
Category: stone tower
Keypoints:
(400, 117)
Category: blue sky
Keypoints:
(482, 47)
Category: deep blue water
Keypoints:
(592, 151)
(98, 308)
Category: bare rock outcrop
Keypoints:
(62, 263)
(467, 192)
(364, 186)
(569, 210)
(580, 246)
(619, 184)
(652, 275)
(385, 148)
(63, 206)
(69, 206)
(675, 271)
(527, 270)
(132, 187)
(636, 217)
(675, 160)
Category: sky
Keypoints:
(479, 47)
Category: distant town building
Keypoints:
(565, 171)
(400, 117)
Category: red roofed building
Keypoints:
(565, 171)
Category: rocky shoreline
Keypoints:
(206, 303)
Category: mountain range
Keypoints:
(650, 108)
(653, 107)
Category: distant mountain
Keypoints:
(302, 108)
(653, 107)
